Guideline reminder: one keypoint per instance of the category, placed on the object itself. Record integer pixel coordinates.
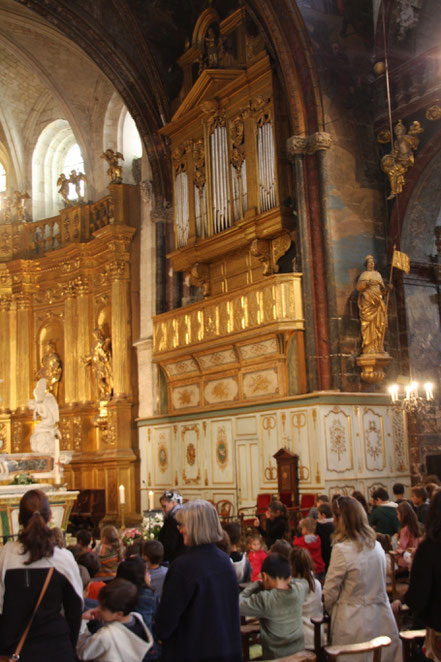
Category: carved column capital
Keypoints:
(162, 213)
(308, 144)
(5, 302)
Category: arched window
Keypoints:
(56, 152)
(120, 134)
(74, 161)
(2, 178)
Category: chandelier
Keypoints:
(410, 401)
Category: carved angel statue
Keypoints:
(76, 179)
(6, 207)
(114, 170)
(372, 308)
(63, 183)
(51, 367)
(397, 163)
(100, 360)
(19, 205)
(45, 432)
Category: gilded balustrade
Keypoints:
(73, 224)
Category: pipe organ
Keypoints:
(232, 224)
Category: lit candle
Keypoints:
(393, 390)
(151, 500)
(122, 495)
(57, 473)
(414, 388)
(428, 387)
(408, 392)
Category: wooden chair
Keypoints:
(318, 623)
(395, 589)
(301, 656)
(410, 639)
(374, 645)
(225, 509)
(250, 634)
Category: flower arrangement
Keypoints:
(130, 535)
(23, 479)
(152, 524)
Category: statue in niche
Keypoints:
(100, 361)
(19, 205)
(114, 171)
(396, 164)
(76, 179)
(51, 367)
(45, 432)
(372, 308)
(63, 183)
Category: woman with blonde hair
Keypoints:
(198, 616)
(355, 586)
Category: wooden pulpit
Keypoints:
(288, 477)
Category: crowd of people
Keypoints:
(181, 598)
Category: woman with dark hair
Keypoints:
(198, 616)
(361, 499)
(423, 596)
(409, 532)
(169, 535)
(276, 523)
(355, 587)
(24, 566)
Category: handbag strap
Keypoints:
(16, 655)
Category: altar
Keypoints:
(61, 502)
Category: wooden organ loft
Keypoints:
(244, 340)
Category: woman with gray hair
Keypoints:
(198, 616)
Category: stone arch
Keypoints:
(116, 116)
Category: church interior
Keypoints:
(220, 237)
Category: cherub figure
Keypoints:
(397, 163)
(19, 205)
(76, 180)
(114, 170)
(63, 183)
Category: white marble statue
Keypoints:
(46, 432)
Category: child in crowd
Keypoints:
(324, 530)
(241, 564)
(278, 604)
(409, 533)
(92, 563)
(313, 512)
(109, 552)
(276, 523)
(256, 555)
(135, 570)
(310, 541)
(303, 568)
(124, 637)
(281, 547)
(84, 538)
(420, 502)
(153, 552)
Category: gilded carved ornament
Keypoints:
(269, 252)
(397, 163)
(433, 113)
(114, 171)
(200, 277)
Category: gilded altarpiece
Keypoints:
(60, 280)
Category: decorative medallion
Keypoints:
(221, 448)
(162, 457)
(191, 454)
(338, 441)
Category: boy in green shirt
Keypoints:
(278, 604)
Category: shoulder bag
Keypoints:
(16, 656)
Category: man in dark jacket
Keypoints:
(383, 517)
